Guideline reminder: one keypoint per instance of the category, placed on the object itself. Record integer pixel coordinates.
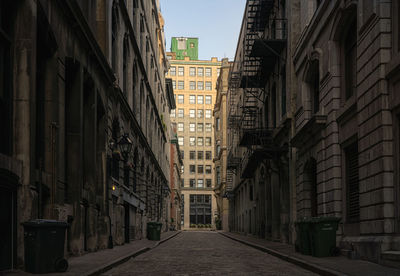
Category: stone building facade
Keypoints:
(194, 83)
(335, 149)
(220, 134)
(345, 121)
(78, 79)
(175, 183)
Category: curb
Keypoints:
(124, 259)
(291, 259)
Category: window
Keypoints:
(180, 126)
(180, 112)
(218, 71)
(126, 176)
(200, 113)
(192, 85)
(192, 99)
(218, 149)
(218, 177)
(182, 169)
(174, 84)
(208, 141)
(208, 183)
(192, 127)
(192, 155)
(352, 183)
(350, 60)
(182, 182)
(200, 99)
(181, 85)
(200, 183)
(208, 113)
(192, 169)
(208, 99)
(192, 71)
(172, 71)
(200, 155)
(208, 85)
(208, 127)
(218, 124)
(192, 183)
(200, 71)
(200, 85)
(208, 169)
(200, 169)
(181, 99)
(192, 113)
(200, 141)
(181, 71)
(283, 92)
(200, 127)
(208, 72)
(192, 141)
(200, 209)
(180, 141)
(182, 154)
(208, 155)
(173, 113)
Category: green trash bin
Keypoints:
(44, 246)
(323, 236)
(154, 231)
(303, 243)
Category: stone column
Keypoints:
(24, 80)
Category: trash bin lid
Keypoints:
(45, 223)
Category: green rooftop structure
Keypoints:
(185, 47)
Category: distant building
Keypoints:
(194, 83)
(221, 140)
(185, 47)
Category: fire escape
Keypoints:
(234, 117)
(264, 40)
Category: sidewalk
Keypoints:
(324, 266)
(98, 262)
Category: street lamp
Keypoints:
(125, 146)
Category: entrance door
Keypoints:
(127, 222)
(7, 230)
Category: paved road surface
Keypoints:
(205, 253)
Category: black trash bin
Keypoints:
(44, 246)
(154, 230)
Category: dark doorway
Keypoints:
(8, 224)
(127, 222)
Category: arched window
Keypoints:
(114, 34)
(134, 80)
(313, 86)
(125, 64)
(350, 60)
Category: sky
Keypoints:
(215, 22)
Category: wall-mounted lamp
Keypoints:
(124, 145)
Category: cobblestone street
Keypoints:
(205, 253)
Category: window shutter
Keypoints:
(353, 199)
